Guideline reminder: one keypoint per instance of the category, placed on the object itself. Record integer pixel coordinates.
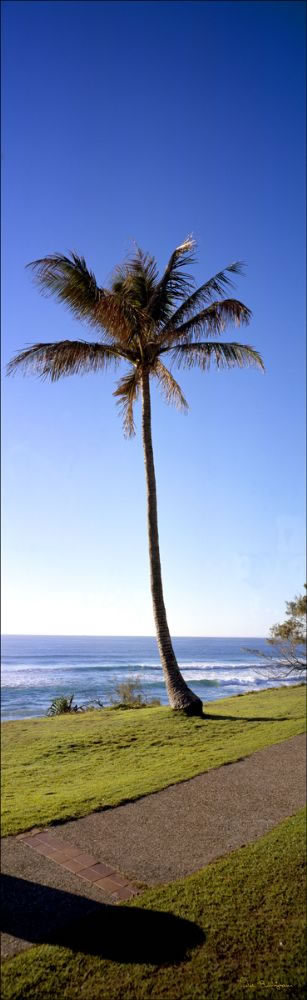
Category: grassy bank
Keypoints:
(60, 768)
(234, 929)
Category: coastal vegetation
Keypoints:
(246, 914)
(130, 694)
(62, 706)
(127, 694)
(288, 639)
(142, 319)
(68, 766)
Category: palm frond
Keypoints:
(65, 357)
(211, 320)
(223, 355)
(70, 281)
(175, 283)
(136, 279)
(170, 388)
(127, 392)
(215, 286)
(132, 286)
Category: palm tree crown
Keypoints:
(139, 319)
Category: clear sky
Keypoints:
(149, 121)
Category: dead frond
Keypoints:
(65, 357)
(127, 392)
(70, 281)
(170, 388)
(223, 355)
(208, 322)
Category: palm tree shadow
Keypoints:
(38, 914)
(246, 718)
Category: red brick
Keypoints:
(53, 840)
(73, 865)
(101, 869)
(62, 855)
(53, 855)
(71, 852)
(120, 879)
(91, 874)
(125, 893)
(23, 836)
(107, 884)
(40, 839)
(45, 850)
(86, 860)
(30, 841)
(87, 873)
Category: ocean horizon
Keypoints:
(38, 668)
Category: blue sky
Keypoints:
(144, 121)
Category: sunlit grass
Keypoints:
(247, 913)
(60, 768)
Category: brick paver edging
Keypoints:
(85, 866)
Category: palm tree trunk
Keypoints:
(180, 696)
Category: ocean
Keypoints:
(36, 669)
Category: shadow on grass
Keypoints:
(42, 915)
(246, 718)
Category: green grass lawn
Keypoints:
(65, 767)
(235, 929)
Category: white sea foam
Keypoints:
(36, 669)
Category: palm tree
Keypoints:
(139, 319)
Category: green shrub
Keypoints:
(129, 694)
(91, 706)
(62, 705)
